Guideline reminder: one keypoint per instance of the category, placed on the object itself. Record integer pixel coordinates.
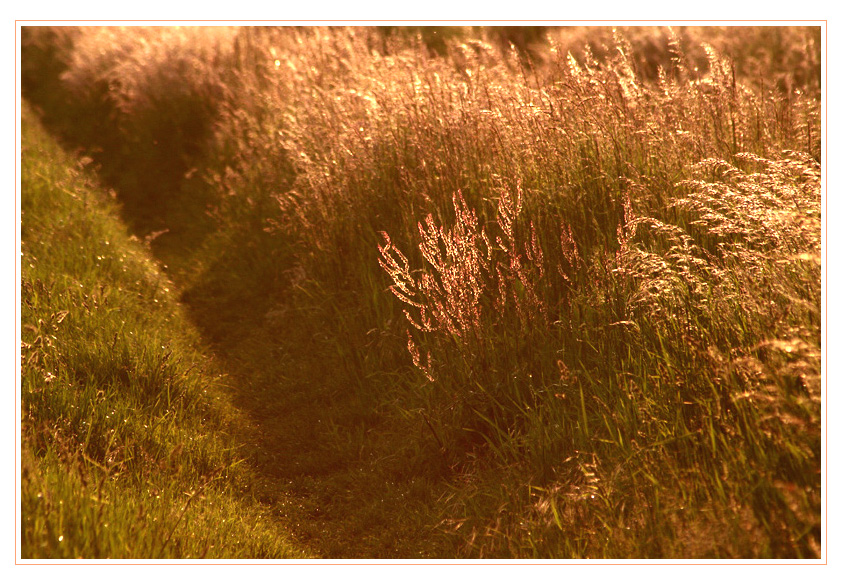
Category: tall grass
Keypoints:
(592, 269)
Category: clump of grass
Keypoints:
(480, 307)
(145, 102)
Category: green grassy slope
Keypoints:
(124, 453)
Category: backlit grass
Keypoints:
(526, 293)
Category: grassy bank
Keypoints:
(125, 451)
(559, 298)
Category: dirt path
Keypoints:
(326, 452)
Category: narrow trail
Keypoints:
(324, 450)
(321, 447)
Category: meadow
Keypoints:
(421, 292)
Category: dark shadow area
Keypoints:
(148, 158)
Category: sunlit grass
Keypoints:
(564, 296)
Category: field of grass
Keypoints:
(434, 292)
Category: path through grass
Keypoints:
(464, 299)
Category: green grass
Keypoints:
(602, 337)
(125, 452)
